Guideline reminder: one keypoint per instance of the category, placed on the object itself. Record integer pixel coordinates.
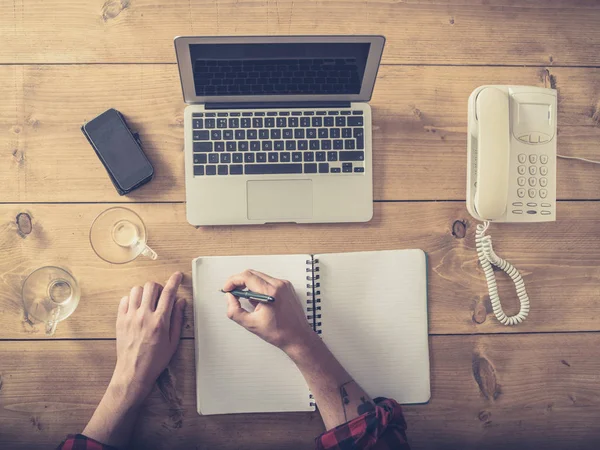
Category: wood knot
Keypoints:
(479, 313)
(112, 8)
(35, 421)
(485, 417)
(595, 114)
(16, 129)
(24, 226)
(459, 229)
(485, 377)
(1, 383)
(166, 386)
(451, 21)
(547, 78)
(565, 363)
(18, 156)
(416, 111)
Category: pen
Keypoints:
(251, 295)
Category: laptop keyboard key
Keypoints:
(314, 144)
(275, 134)
(197, 124)
(255, 146)
(332, 156)
(321, 156)
(324, 168)
(335, 170)
(213, 158)
(310, 168)
(252, 134)
(249, 157)
(328, 121)
(257, 122)
(359, 169)
(323, 133)
(261, 157)
(263, 134)
(297, 156)
(215, 135)
(225, 158)
(359, 135)
(221, 123)
(245, 122)
(293, 122)
(198, 170)
(290, 145)
(347, 167)
(317, 121)
(305, 122)
(211, 170)
(266, 169)
(203, 146)
(273, 157)
(299, 133)
(236, 169)
(267, 145)
(338, 144)
(200, 158)
(334, 133)
(355, 121)
(340, 121)
(209, 123)
(223, 170)
(352, 156)
(228, 135)
(278, 145)
(349, 144)
(287, 133)
(346, 132)
(303, 145)
(201, 135)
(243, 146)
(269, 122)
(326, 144)
(311, 133)
(284, 157)
(238, 157)
(309, 156)
(234, 123)
(240, 135)
(231, 147)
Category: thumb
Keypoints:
(177, 322)
(235, 311)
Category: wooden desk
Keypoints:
(61, 63)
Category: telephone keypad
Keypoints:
(521, 181)
(543, 193)
(522, 158)
(543, 171)
(543, 182)
(543, 159)
(521, 193)
(531, 193)
(532, 170)
(532, 159)
(532, 181)
(521, 170)
(532, 185)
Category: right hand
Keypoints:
(282, 323)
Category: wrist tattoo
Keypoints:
(366, 404)
(345, 398)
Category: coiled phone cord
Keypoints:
(487, 257)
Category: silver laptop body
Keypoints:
(278, 128)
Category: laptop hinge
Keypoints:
(256, 105)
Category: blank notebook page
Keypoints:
(374, 320)
(236, 371)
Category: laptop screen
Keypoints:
(249, 69)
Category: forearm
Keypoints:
(337, 395)
(115, 417)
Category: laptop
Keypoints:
(278, 128)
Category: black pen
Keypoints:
(250, 295)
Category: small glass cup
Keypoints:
(118, 236)
(50, 295)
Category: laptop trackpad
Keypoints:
(280, 200)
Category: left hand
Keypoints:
(149, 325)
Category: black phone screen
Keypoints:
(118, 149)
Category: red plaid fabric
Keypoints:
(81, 442)
(381, 429)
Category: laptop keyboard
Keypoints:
(278, 142)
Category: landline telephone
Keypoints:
(511, 171)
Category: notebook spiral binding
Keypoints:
(313, 301)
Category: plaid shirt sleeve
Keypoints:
(81, 442)
(384, 428)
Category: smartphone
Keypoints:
(119, 150)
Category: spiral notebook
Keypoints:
(370, 308)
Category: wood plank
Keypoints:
(449, 32)
(419, 129)
(560, 261)
(493, 392)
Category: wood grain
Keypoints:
(493, 392)
(419, 129)
(440, 32)
(560, 261)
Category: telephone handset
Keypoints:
(511, 173)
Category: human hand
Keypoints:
(149, 324)
(282, 323)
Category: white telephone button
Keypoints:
(544, 138)
(518, 204)
(522, 158)
(545, 213)
(532, 170)
(521, 193)
(524, 138)
(521, 181)
(543, 159)
(532, 159)
(546, 205)
(521, 170)
(543, 193)
(543, 182)
(531, 193)
(517, 211)
(532, 205)
(543, 171)
(531, 211)
(534, 138)
(532, 181)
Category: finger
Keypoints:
(169, 295)
(269, 279)
(248, 279)
(150, 296)
(177, 322)
(235, 311)
(135, 298)
(123, 306)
